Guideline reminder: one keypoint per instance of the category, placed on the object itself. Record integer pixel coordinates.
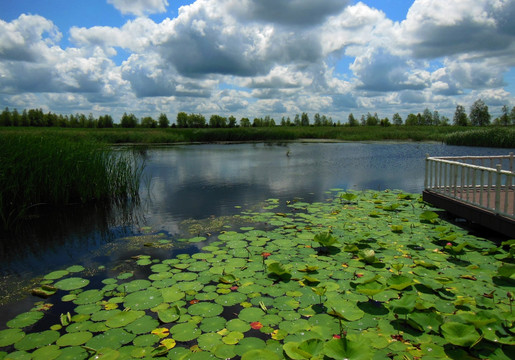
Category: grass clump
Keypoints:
(53, 170)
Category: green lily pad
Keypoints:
(185, 332)
(144, 324)
(169, 315)
(459, 334)
(71, 283)
(89, 297)
(124, 318)
(206, 309)
(308, 349)
(143, 299)
(56, 275)
(112, 339)
(37, 340)
(10, 336)
(260, 354)
(74, 339)
(25, 319)
(344, 349)
(48, 352)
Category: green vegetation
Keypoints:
(43, 168)
(489, 137)
(381, 277)
(447, 134)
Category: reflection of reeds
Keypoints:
(491, 137)
(48, 169)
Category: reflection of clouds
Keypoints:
(197, 181)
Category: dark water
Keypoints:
(202, 181)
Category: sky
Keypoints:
(252, 58)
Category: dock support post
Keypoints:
(498, 184)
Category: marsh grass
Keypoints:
(47, 169)
(503, 137)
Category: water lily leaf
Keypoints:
(325, 239)
(238, 325)
(370, 288)
(206, 309)
(506, 270)
(232, 338)
(74, 339)
(25, 319)
(344, 349)
(10, 336)
(251, 314)
(459, 334)
(425, 321)
(89, 297)
(278, 269)
(169, 315)
(404, 305)
(185, 332)
(143, 299)
(212, 324)
(142, 325)
(208, 341)
(399, 282)
(56, 275)
(124, 318)
(172, 294)
(344, 309)
(71, 283)
(260, 354)
(429, 216)
(368, 256)
(37, 340)
(228, 279)
(145, 340)
(49, 352)
(112, 339)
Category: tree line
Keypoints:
(478, 116)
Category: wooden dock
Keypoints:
(479, 189)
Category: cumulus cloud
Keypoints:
(139, 7)
(436, 28)
(304, 13)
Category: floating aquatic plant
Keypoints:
(432, 292)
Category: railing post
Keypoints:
(511, 162)
(427, 172)
(498, 184)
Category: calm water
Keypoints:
(201, 181)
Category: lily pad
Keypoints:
(124, 318)
(185, 332)
(71, 283)
(10, 336)
(74, 339)
(143, 299)
(459, 334)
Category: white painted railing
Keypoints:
(483, 181)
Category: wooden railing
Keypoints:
(483, 181)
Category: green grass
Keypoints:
(46, 169)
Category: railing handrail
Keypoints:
(477, 167)
(484, 186)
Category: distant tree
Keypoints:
(15, 118)
(304, 119)
(436, 118)
(182, 119)
(148, 122)
(217, 121)
(245, 122)
(363, 120)
(317, 120)
(129, 121)
(232, 121)
(196, 121)
(288, 122)
(25, 118)
(105, 121)
(283, 121)
(397, 120)
(411, 120)
(163, 121)
(512, 116)
(296, 120)
(479, 115)
(460, 116)
(372, 120)
(444, 121)
(352, 120)
(385, 122)
(427, 117)
(505, 117)
(5, 118)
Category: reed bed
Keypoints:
(503, 137)
(46, 169)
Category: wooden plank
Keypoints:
(483, 217)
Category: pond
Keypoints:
(209, 181)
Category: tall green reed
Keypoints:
(47, 169)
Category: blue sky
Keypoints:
(251, 58)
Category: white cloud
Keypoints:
(139, 7)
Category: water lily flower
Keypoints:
(256, 325)
(265, 254)
(194, 301)
(234, 287)
(336, 336)
(448, 244)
